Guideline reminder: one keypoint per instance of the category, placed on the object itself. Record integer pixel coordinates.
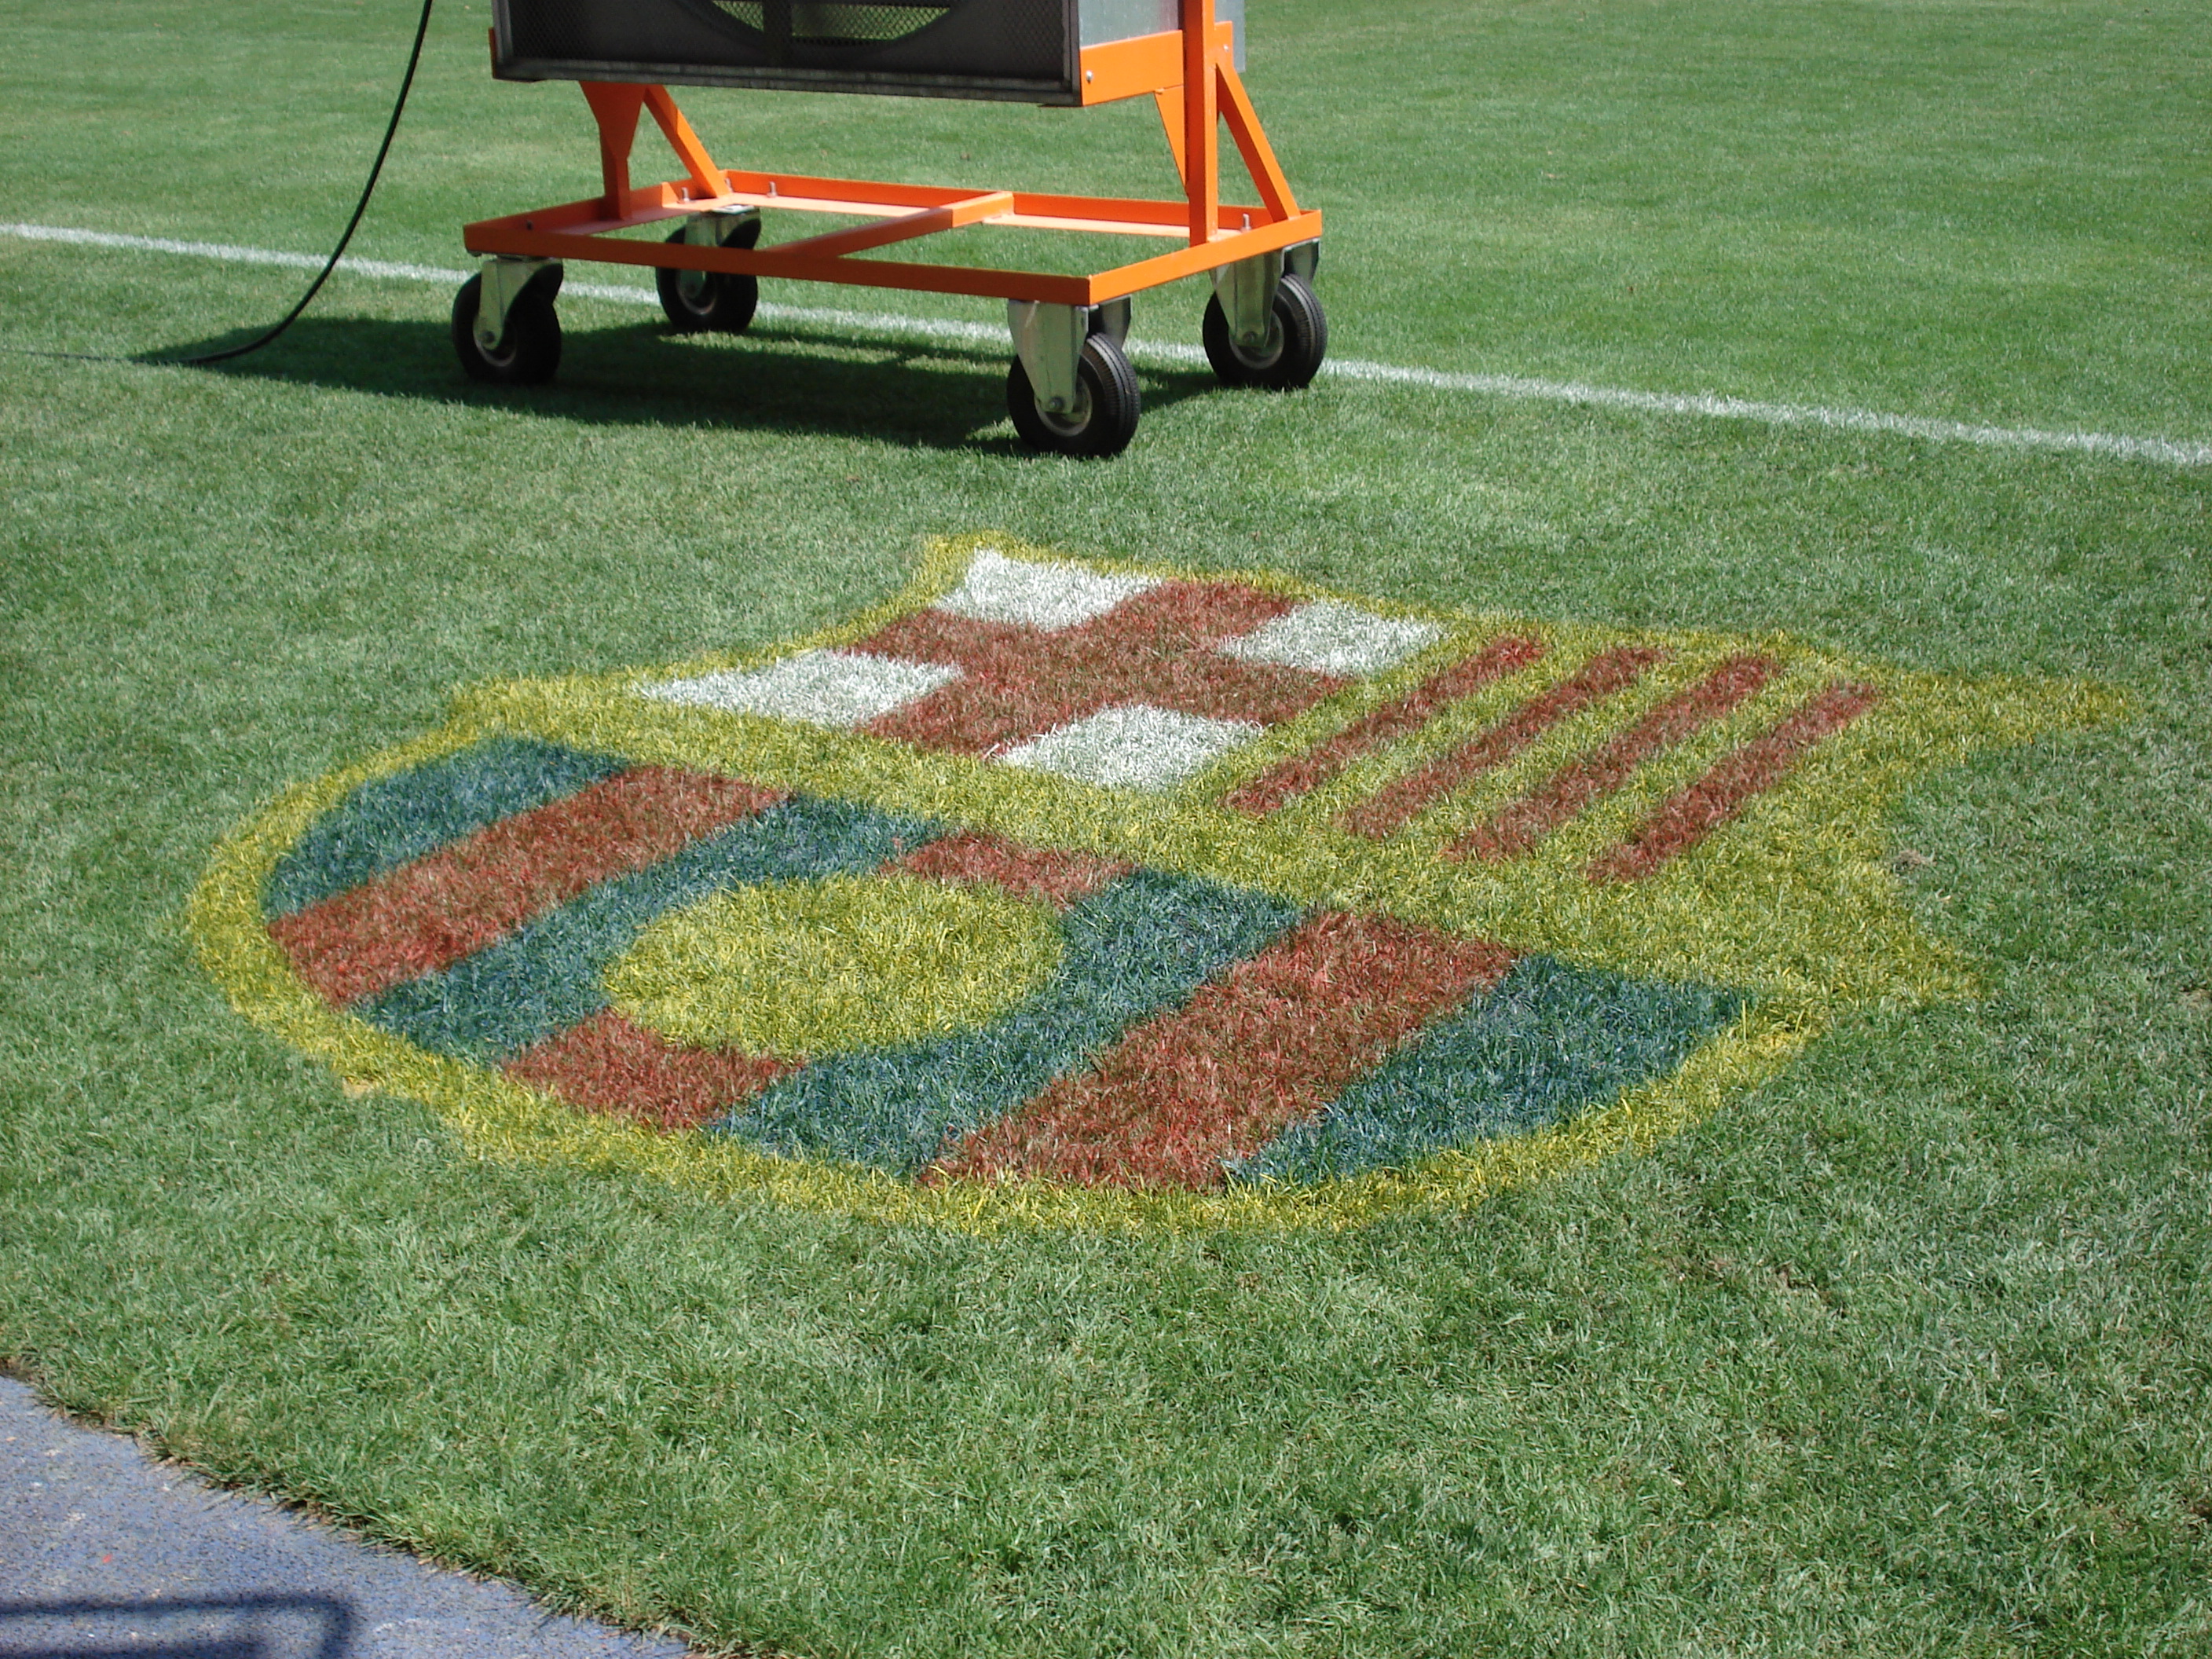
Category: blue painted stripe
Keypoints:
(1550, 1040)
(1138, 946)
(551, 974)
(389, 822)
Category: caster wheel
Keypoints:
(1297, 340)
(527, 354)
(698, 301)
(1107, 405)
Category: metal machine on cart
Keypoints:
(1071, 389)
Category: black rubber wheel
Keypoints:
(698, 301)
(1107, 406)
(527, 354)
(1297, 340)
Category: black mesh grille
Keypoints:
(1004, 49)
(823, 25)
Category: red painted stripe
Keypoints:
(609, 1065)
(1018, 682)
(1388, 810)
(1521, 825)
(427, 915)
(1059, 878)
(1688, 816)
(1301, 774)
(1268, 1044)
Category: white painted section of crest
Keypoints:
(1328, 637)
(1049, 596)
(822, 688)
(2166, 452)
(1132, 747)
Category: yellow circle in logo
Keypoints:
(803, 968)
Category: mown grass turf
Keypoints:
(1905, 1354)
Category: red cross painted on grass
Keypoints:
(1018, 682)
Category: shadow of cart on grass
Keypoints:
(927, 393)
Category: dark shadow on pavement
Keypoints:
(219, 1627)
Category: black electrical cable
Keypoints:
(376, 168)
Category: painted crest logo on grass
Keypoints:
(1063, 892)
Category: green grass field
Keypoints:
(1908, 1352)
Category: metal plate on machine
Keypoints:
(1122, 19)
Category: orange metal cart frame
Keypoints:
(1189, 71)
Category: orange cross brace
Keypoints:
(907, 226)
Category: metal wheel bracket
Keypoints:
(1049, 339)
(720, 226)
(1247, 292)
(1112, 320)
(1303, 260)
(505, 280)
(716, 227)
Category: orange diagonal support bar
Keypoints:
(615, 105)
(1170, 102)
(706, 177)
(905, 227)
(1201, 120)
(1252, 144)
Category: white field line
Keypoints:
(2168, 451)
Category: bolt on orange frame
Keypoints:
(1071, 389)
